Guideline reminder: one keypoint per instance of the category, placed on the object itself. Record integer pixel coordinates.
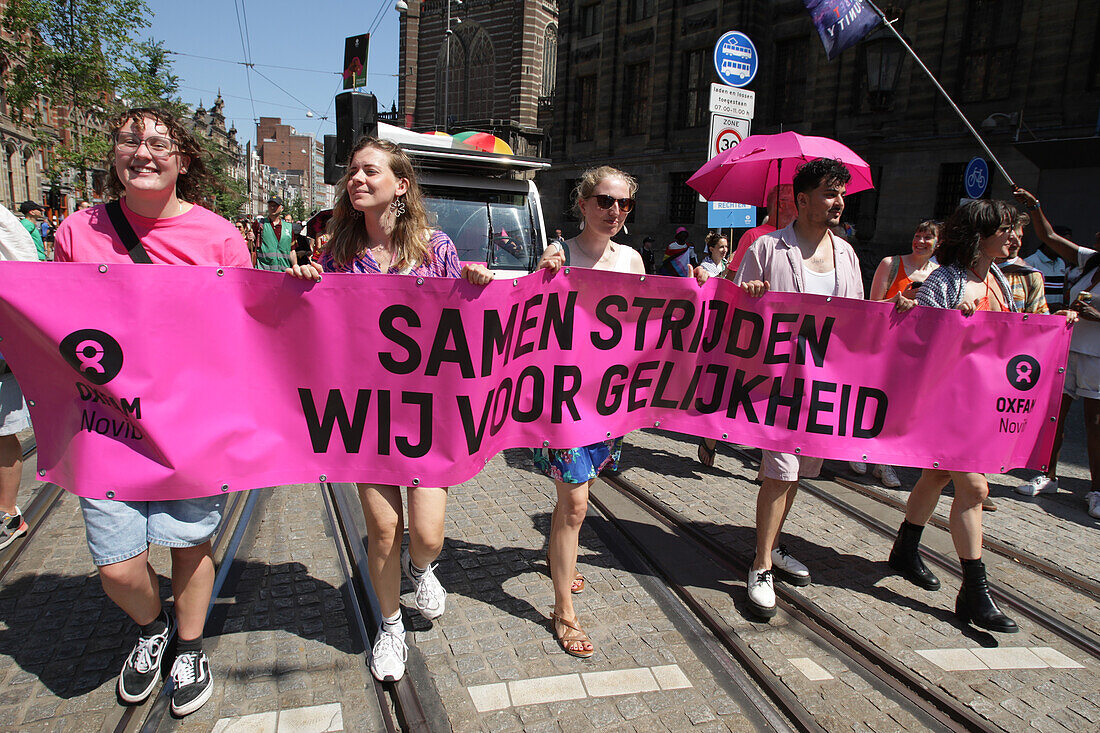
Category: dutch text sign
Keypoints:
(732, 102)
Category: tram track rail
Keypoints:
(44, 501)
(929, 704)
(1073, 634)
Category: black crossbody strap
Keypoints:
(127, 234)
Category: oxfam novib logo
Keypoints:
(1023, 372)
(95, 355)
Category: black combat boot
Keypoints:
(975, 605)
(906, 559)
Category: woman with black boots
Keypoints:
(978, 233)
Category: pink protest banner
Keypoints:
(169, 382)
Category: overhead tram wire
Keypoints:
(284, 91)
(266, 66)
(378, 16)
(248, 68)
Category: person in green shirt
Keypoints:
(33, 214)
(274, 237)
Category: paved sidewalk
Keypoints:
(1019, 684)
(493, 656)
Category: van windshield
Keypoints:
(486, 226)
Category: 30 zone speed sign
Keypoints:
(726, 133)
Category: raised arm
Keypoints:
(1043, 229)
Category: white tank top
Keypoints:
(820, 283)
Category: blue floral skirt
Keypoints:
(577, 465)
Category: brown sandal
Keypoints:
(572, 634)
(578, 578)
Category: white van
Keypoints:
(492, 216)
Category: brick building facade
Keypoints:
(500, 72)
(633, 86)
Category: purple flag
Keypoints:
(841, 23)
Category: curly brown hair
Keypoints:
(191, 185)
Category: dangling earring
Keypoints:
(397, 206)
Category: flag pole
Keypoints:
(890, 24)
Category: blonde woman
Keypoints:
(380, 226)
(603, 199)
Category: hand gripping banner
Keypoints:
(169, 382)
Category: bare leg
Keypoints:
(1092, 437)
(772, 504)
(925, 495)
(385, 525)
(1059, 433)
(192, 584)
(565, 529)
(132, 585)
(966, 514)
(427, 508)
(11, 471)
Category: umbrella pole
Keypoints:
(890, 24)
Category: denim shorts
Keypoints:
(119, 530)
(14, 416)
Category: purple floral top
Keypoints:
(444, 261)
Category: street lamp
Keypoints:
(882, 56)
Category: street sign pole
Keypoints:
(732, 109)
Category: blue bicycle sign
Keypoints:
(735, 59)
(976, 178)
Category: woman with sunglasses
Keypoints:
(157, 170)
(603, 198)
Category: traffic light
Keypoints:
(356, 116)
(333, 169)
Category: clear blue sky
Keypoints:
(306, 34)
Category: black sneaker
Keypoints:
(12, 528)
(142, 669)
(191, 676)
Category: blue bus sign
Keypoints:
(735, 59)
(976, 178)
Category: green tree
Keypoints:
(72, 51)
(146, 79)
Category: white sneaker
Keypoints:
(388, 657)
(1093, 498)
(762, 592)
(430, 598)
(887, 476)
(1039, 485)
(858, 467)
(789, 569)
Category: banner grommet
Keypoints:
(935, 464)
(225, 487)
(725, 436)
(220, 272)
(42, 473)
(323, 478)
(103, 268)
(419, 281)
(30, 403)
(110, 494)
(416, 482)
(797, 450)
(546, 444)
(656, 423)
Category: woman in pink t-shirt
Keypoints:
(156, 169)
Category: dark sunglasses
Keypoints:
(606, 202)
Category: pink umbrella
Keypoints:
(745, 174)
